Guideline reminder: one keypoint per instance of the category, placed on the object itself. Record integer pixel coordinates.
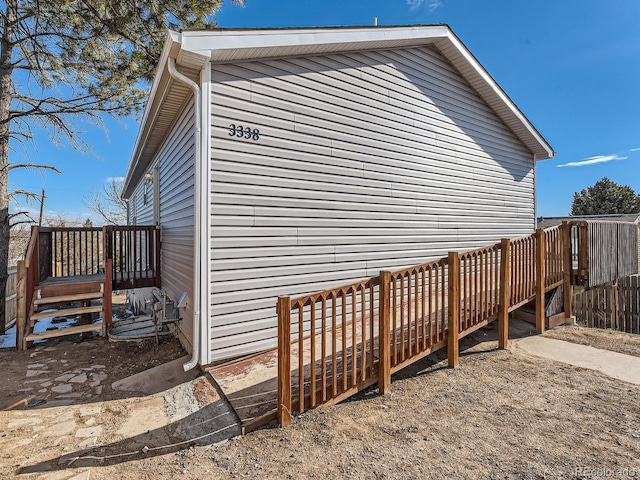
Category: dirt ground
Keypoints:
(620, 342)
(100, 361)
(501, 415)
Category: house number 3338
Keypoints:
(244, 132)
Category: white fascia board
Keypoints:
(160, 89)
(150, 111)
(485, 78)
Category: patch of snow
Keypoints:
(8, 340)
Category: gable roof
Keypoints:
(193, 49)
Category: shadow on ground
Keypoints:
(206, 425)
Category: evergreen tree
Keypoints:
(605, 197)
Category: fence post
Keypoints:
(284, 361)
(566, 269)
(453, 334)
(21, 305)
(540, 280)
(384, 334)
(505, 287)
(107, 299)
(583, 248)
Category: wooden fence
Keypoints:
(610, 306)
(612, 251)
(11, 298)
(333, 343)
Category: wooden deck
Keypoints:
(68, 280)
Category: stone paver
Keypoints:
(98, 377)
(63, 388)
(90, 411)
(82, 378)
(23, 422)
(65, 378)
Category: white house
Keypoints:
(284, 161)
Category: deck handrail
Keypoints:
(82, 251)
(414, 311)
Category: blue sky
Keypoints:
(572, 66)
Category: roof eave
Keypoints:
(159, 90)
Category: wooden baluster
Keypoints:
(334, 350)
(323, 349)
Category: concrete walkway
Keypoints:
(616, 365)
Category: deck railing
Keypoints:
(70, 251)
(29, 273)
(553, 257)
(135, 254)
(334, 343)
(334, 352)
(418, 301)
(523, 269)
(480, 281)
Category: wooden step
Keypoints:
(68, 298)
(67, 312)
(60, 332)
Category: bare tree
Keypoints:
(108, 203)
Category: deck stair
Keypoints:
(554, 311)
(76, 296)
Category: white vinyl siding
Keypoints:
(365, 161)
(176, 160)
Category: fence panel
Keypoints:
(418, 313)
(610, 306)
(480, 286)
(523, 273)
(613, 251)
(629, 304)
(334, 343)
(11, 298)
(553, 259)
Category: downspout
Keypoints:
(195, 344)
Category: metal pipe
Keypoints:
(195, 344)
